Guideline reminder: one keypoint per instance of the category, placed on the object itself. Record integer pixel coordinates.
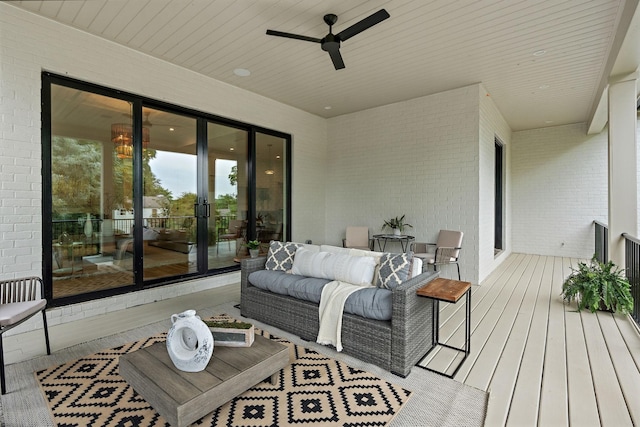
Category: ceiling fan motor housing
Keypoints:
(330, 42)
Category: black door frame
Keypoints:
(138, 102)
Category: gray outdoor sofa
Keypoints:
(395, 345)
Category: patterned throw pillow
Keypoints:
(280, 257)
(394, 269)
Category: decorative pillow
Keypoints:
(309, 264)
(334, 249)
(394, 269)
(357, 270)
(280, 257)
(334, 266)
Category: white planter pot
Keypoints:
(254, 253)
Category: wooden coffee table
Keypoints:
(184, 397)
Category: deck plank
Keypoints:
(583, 408)
(487, 325)
(611, 403)
(526, 396)
(625, 367)
(495, 349)
(503, 381)
(553, 398)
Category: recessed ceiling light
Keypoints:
(539, 52)
(231, 149)
(171, 129)
(328, 107)
(278, 156)
(241, 72)
(543, 87)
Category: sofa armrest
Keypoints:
(405, 295)
(248, 266)
(411, 323)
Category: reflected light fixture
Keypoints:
(270, 170)
(122, 138)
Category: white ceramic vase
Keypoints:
(189, 342)
(88, 227)
(397, 232)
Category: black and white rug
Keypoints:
(314, 390)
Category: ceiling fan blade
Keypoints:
(293, 36)
(336, 57)
(362, 25)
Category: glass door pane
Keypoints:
(90, 185)
(227, 193)
(270, 221)
(169, 174)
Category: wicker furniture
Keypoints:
(395, 345)
(184, 397)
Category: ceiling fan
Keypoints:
(331, 42)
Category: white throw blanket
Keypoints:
(334, 295)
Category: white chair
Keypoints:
(18, 303)
(445, 251)
(357, 237)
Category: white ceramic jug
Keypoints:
(189, 342)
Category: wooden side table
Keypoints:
(450, 291)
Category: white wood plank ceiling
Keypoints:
(424, 48)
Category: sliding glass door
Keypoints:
(138, 193)
(169, 194)
(270, 201)
(227, 194)
(90, 184)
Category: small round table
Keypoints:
(403, 239)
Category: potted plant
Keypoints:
(598, 286)
(254, 248)
(396, 224)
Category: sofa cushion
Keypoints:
(394, 269)
(277, 282)
(280, 257)
(308, 289)
(372, 303)
(334, 266)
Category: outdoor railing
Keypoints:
(601, 244)
(632, 261)
(632, 267)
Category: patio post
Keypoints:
(623, 167)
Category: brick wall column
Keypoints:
(623, 170)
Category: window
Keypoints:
(139, 193)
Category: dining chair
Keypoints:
(19, 302)
(445, 251)
(357, 237)
(232, 233)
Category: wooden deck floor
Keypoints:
(542, 362)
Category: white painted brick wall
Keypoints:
(559, 179)
(30, 44)
(418, 158)
(492, 125)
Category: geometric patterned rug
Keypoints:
(314, 390)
